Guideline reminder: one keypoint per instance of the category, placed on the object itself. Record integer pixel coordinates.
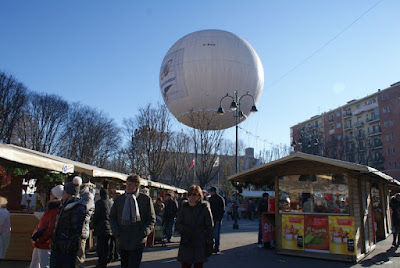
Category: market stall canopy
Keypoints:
(256, 194)
(28, 157)
(300, 163)
(81, 167)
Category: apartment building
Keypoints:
(364, 131)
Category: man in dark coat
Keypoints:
(262, 207)
(66, 237)
(132, 219)
(102, 229)
(170, 212)
(217, 204)
(395, 206)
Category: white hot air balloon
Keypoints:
(203, 67)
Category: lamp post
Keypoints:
(235, 106)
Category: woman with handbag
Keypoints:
(195, 225)
(42, 234)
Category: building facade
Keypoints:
(364, 131)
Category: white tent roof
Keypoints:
(28, 157)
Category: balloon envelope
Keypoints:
(203, 67)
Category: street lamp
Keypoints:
(235, 106)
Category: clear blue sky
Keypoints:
(107, 54)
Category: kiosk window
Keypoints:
(314, 194)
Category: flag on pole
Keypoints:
(192, 164)
(216, 163)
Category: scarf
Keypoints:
(130, 212)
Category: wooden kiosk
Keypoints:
(326, 208)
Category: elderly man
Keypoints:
(132, 218)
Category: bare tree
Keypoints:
(179, 158)
(149, 136)
(13, 95)
(43, 119)
(89, 136)
(206, 146)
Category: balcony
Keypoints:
(373, 120)
(377, 145)
(347, 126)
(346, 114)
(375, 132)
(360, 124)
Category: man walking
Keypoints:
(132, 218)
(66, 237)
(170, 211)
(217, 204)
(102, 229)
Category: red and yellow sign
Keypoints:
(293, 232)
(342, 235)
(316, 231)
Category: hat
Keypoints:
(57, 191)
(72, 187)
(212, 189)
(265, 194)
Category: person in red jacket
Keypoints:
(43, 232)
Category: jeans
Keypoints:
(60, 259)
(131, 258)
(104, 250)
(217, 230)
(260, 231)
(169, 224)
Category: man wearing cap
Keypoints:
(217, 204)
(67, 233)
(132, 219)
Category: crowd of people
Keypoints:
(124, 226)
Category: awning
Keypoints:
(29, 157)
(302, 164)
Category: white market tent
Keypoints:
(59, 164)
(28, 157)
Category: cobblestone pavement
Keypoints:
(239, 249)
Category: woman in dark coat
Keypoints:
(195, 224)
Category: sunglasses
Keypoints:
(193, 195)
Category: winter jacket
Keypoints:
(170, 210)
(132, 236)
(68, 229)
(195, 224)
(101, 218)
(217, 204)
(87, 199)
(395, 206)
(262, 206)
(47, 222)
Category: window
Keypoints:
(339, 137)
(383, 109)
(361, 145)
(388, 151)
(390, 165)
(338, 125)
(387, 137)
(337, 113)
(393, 150)
(390, 122)
(385, 123)
(316, 123)
(395, 164)
(389, 109)
(383, 96)
(316, 193)
(391, 136)
(387, 95)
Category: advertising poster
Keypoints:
(316, 233)
(341, 235)
(293, 232)
(268, 227)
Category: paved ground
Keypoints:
(238, 249)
